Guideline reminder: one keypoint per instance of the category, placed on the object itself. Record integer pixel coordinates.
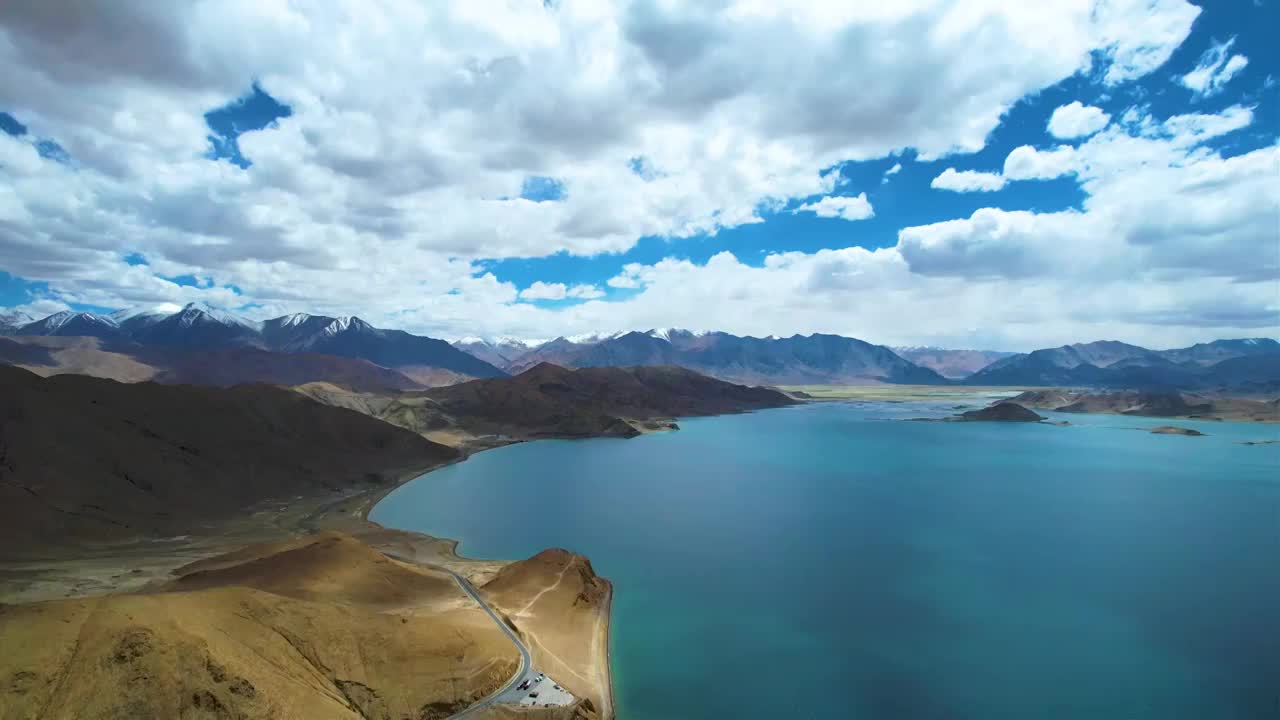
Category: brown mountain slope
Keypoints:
(554, 400)
(225, 367)
(74, 356)
(326, 566)
(85, 459)
(551, 401)
(318, 628)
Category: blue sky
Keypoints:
(508, 183)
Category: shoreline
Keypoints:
(370, 499)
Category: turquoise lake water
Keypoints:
(832, 561)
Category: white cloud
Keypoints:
(415, 126)
(897, 168)
(1192, 128)
(1027, 163)
(1158, 205)
(1077, 120)
(1214, 70)
(967, 181)
(411, 121)
(629, 278)
(585, 292)
(1165, 24)
(544, 291)
(847, 208)
(559, 291)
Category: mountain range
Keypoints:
(1245, 365)
(202, 345)
(198, 328)
(795, 360)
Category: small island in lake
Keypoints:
(1172, 430)
(1000, 412)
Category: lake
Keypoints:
(832, 561)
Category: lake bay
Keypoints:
(831, 560)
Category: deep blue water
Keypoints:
(828, 561)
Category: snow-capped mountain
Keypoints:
(195, 326)
(500, 352)
(11, 320)
(200, 327)
(794, 360)
(353, 337)
(68, 323)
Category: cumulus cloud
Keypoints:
(544, 291)
(1158, 204)
(846, 208)
(1077, 120)
(416, 127)
(585, 292)
(897, 168)
(1028, 163)
(967, 181)
(631, 277)
(559, 291)
(1214, 70)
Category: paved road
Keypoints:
(508, 692)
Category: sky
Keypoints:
(960, 173)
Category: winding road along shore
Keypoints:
(507, 693)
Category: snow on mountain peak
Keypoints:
(194, 312)
(668, 333)
(591, 338)
(344, 323)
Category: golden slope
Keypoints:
(321, 627)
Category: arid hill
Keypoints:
(85, 459)
(557, 596)
(1000, 412)
(319, 627)
(552, 401)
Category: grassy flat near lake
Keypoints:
(897, 393)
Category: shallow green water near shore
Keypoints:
(831, 561)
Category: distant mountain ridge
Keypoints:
(796, 360)
(197, 327)
(1251, 365)
(1248, 364)
(951, 364)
